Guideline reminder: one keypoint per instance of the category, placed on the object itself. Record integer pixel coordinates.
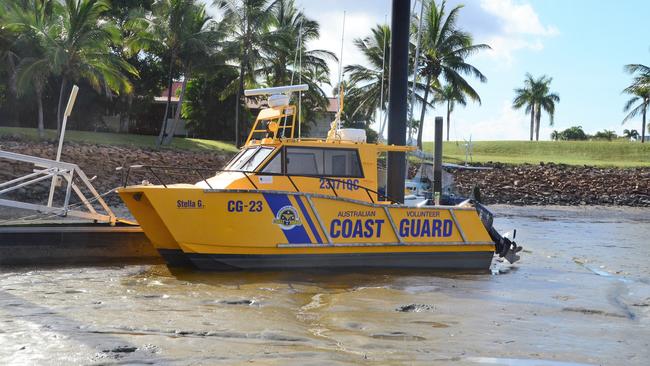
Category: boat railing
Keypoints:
(247, 174)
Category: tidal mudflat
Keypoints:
(580, 295)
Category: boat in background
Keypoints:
(288, 202)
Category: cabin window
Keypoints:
(241, 159)
(325, 162)
(236, 159)
(275, 165)
(257, 159)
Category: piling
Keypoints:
(397, 103)
(437, 160)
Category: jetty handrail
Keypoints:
(52, 169)
(247, 174)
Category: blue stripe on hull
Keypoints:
(297, 234)
(305, 213)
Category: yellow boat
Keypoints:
(287, 202)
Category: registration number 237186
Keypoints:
(345, 184)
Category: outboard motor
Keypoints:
(504, 246)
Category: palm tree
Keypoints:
(290, 61)
(31, 73)
(78, 47)
(8, 56)
(247, 23)
(444, 50)
(545, 102)
(451, 95)
(640, 91)
(185, 36)
(555, 135)
(366, 84)
(631, 134)
(537, 98)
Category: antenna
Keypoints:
(383, 69)
(299, 60)
(468, 150)
(415, 73)
(300, 79)
(341, 72)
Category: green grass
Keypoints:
(597, 153)
(105, 138)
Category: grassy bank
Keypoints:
(105, 138)
(596, 153)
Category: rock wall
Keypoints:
(557, 184)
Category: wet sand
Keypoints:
(580, 295)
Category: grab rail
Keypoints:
(197, 171)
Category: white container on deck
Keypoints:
(352, 134)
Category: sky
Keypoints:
(582, 44)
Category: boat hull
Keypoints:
(418, 260)
(175, 257)
(248, 229)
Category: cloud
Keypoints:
(517, 18)
(506, 124)
(357, 25)
(518, 28)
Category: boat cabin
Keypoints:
(343, 164)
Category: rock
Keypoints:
(415, 308)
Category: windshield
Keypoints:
(257, 159)
(249, 159)
(241, 158)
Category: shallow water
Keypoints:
(580, 295)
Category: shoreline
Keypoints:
(557, 184)
(517, 185)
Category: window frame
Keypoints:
(284, 153)
(270, 158)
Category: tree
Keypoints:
(8, 57)
(525, 97)
(605, 135)
(640, 91)
(247, 24)
(34, 68)
(575, 133)
(631, 134)
(545, 102)
(366, 84)
(78, 46)
(536, 97)
(451, 95)
(555, 136)
(181, 33)
(130, 17)
(290, 62)
(207, 113)
(444, 50)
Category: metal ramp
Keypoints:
(63, 176)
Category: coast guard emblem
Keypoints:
(287, 217)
